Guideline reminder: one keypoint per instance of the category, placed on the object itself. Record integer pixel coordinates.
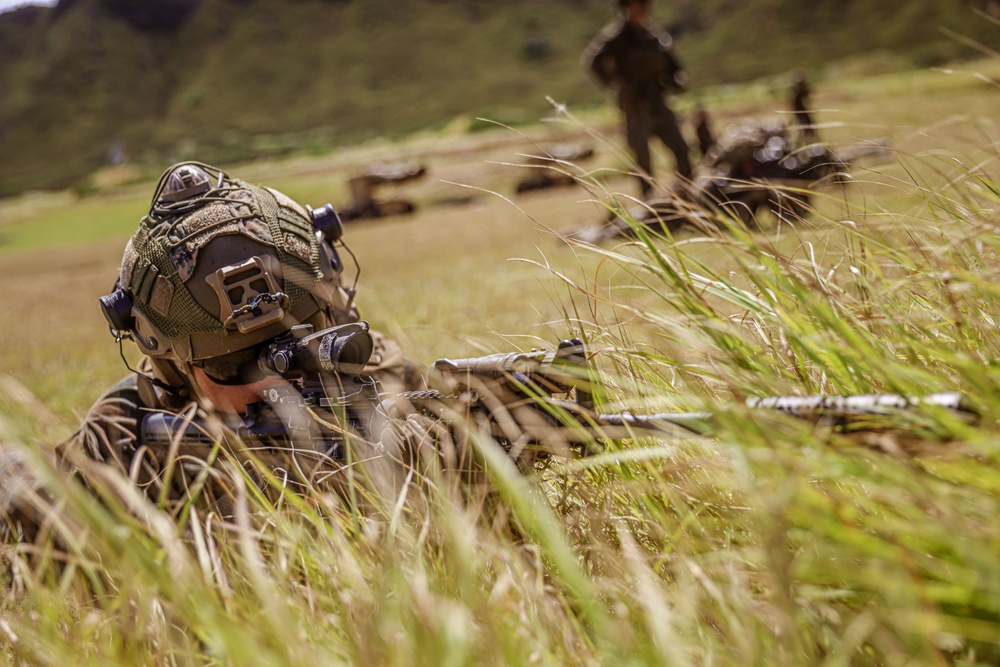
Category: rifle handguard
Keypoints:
(527, 373)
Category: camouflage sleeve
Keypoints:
(22, 506)
(678, 77)
(673, 70)
(600, 57)
(109, 432)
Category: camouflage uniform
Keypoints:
(638, 63)
(112, 433)
(185, 270)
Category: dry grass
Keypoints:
(776, 543)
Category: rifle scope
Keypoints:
(342, 349)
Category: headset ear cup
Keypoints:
(117, 309)
(326, 220)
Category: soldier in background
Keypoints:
(800, 106)
(633, 57)
(703, 131)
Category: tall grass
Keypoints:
(778, 542)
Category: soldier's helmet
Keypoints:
(219, 266)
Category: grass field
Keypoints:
(775, 543)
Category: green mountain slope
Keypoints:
(231, 79)
(733, 40)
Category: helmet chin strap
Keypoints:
(149, 384)
(155, 381)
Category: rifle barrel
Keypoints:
(838, 408)
(698, 423)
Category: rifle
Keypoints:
(542, 391)
(540, 402)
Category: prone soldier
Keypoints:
(254, 357)
(233, 294)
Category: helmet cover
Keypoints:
(219, 264)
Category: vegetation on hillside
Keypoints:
(223, 80)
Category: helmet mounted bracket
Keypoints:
(249, 291)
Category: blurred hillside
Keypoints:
(90, 81)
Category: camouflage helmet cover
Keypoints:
(219, 265)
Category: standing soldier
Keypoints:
(633, 57)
